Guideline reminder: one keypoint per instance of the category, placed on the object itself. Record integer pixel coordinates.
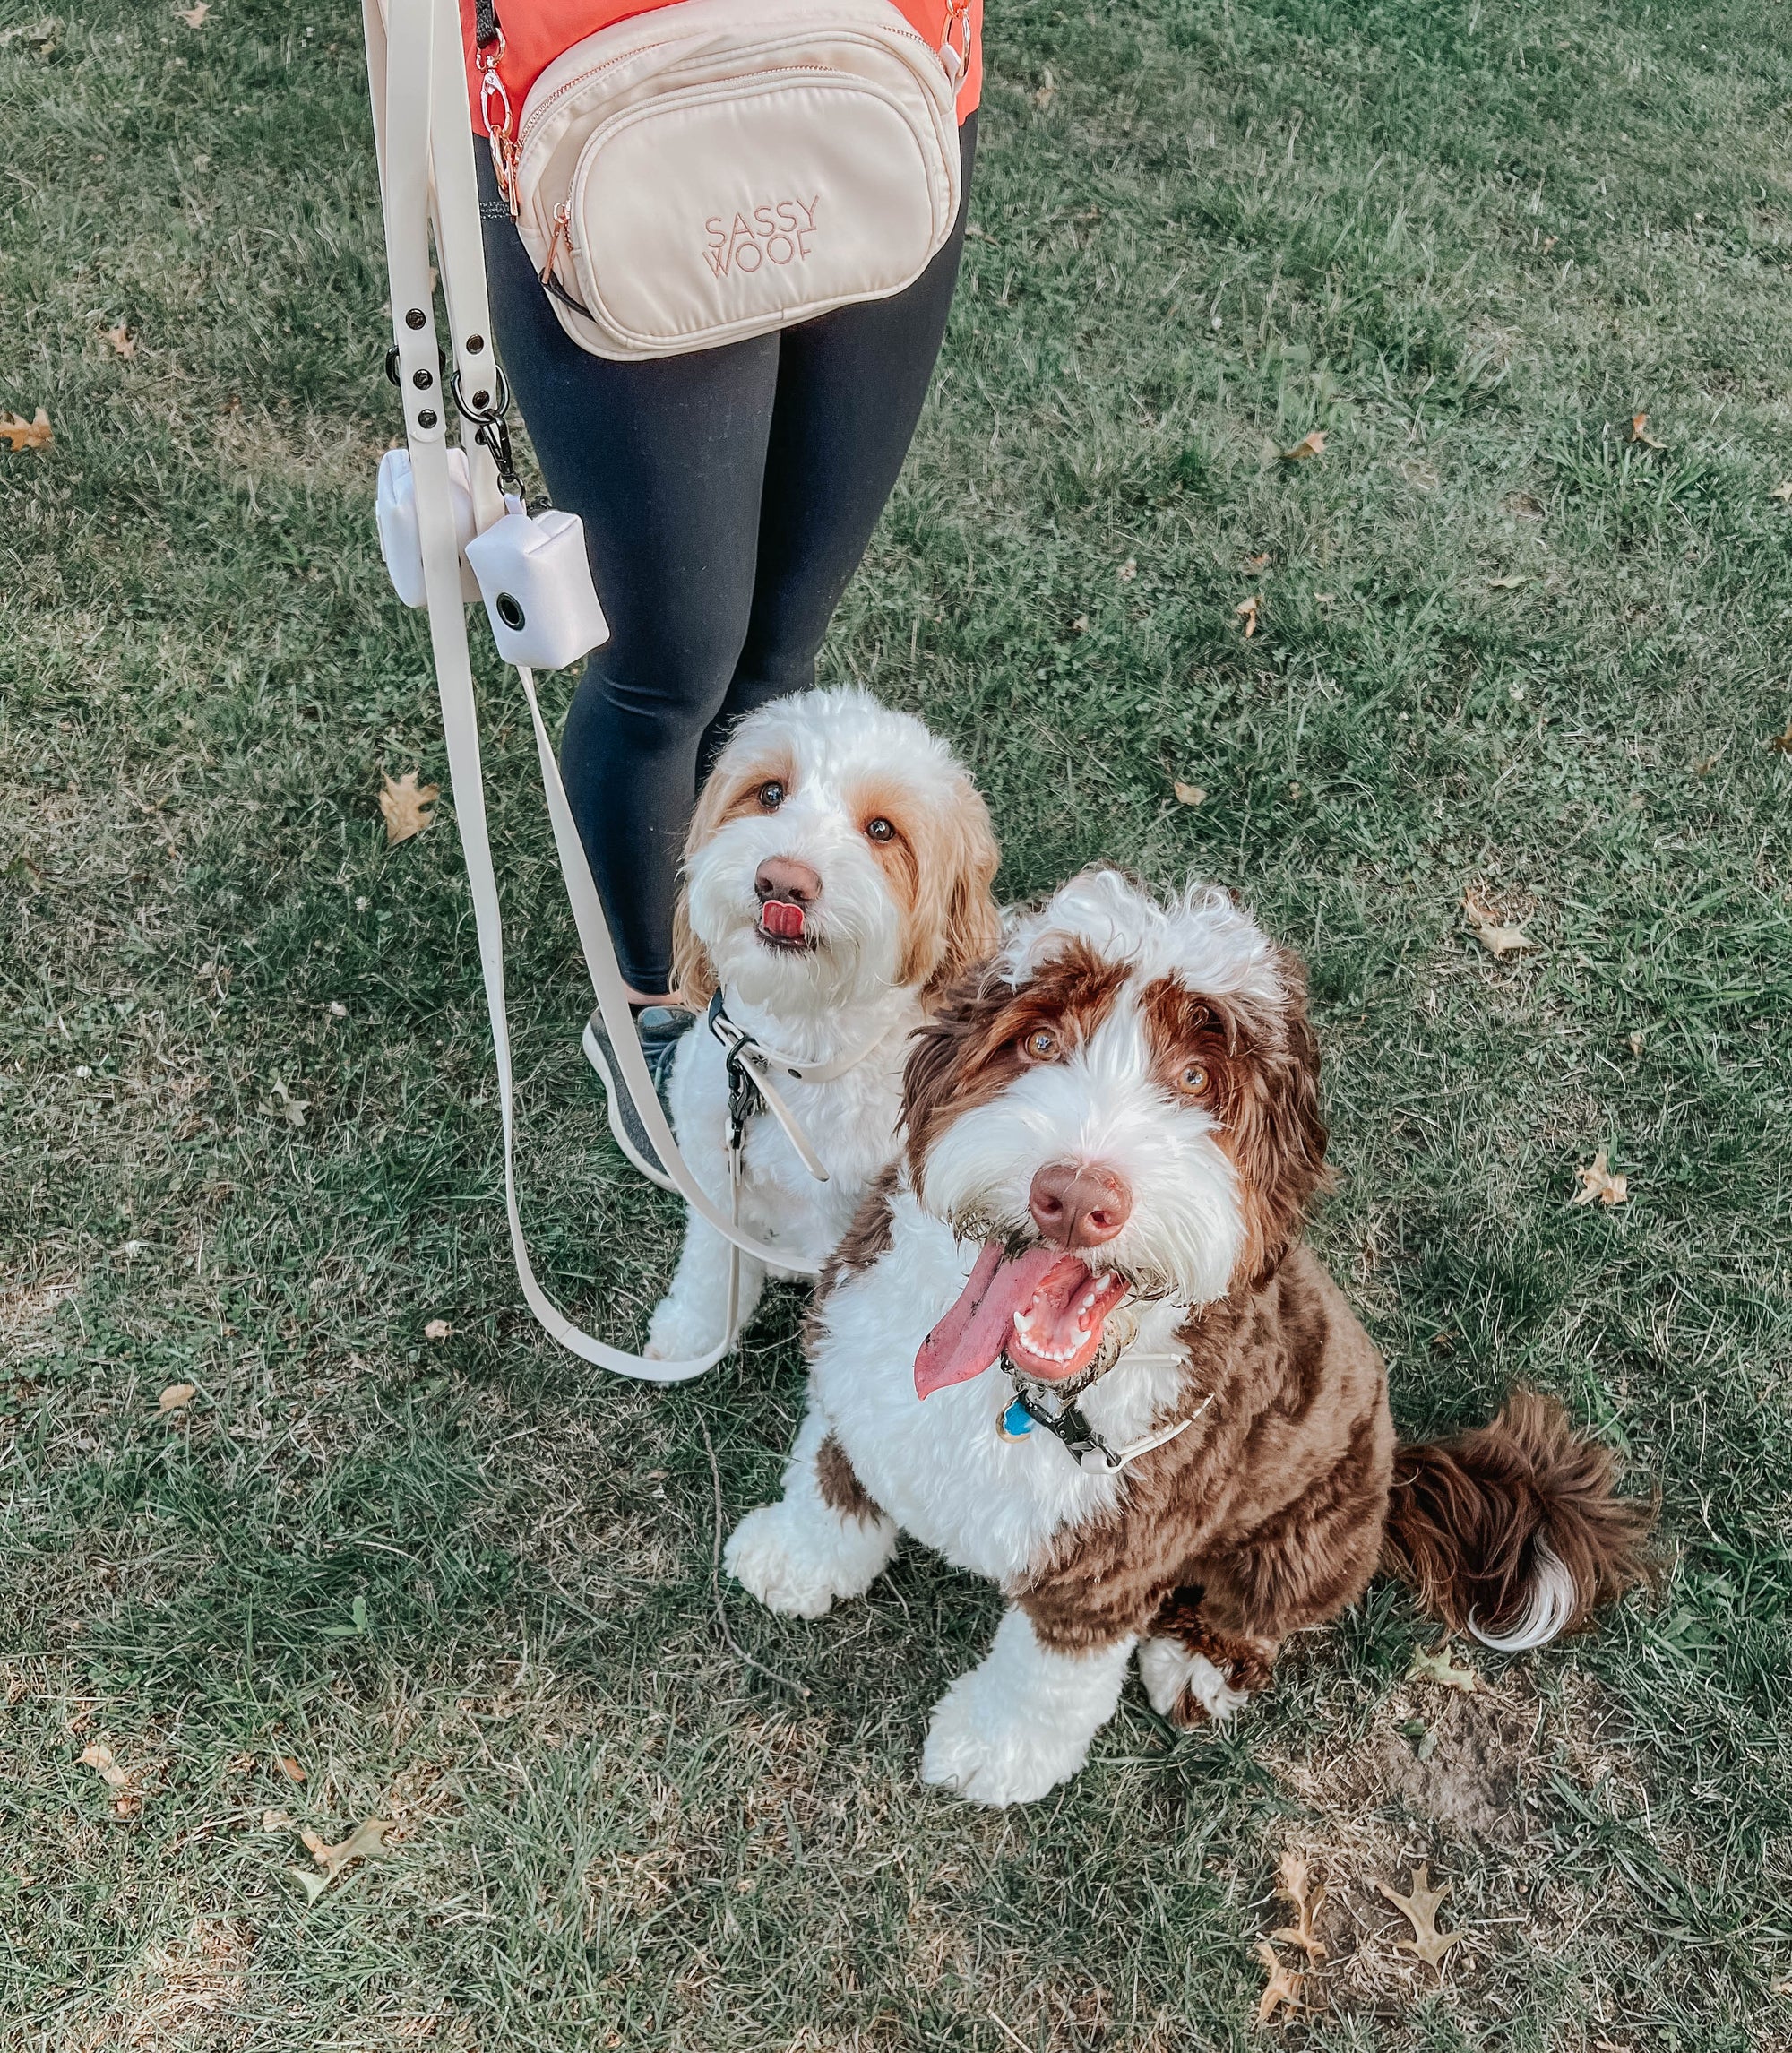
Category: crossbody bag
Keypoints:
(714, 170)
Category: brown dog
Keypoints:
(1074, 1341)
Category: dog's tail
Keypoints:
(1513, 1532)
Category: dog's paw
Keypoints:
(1186, 1687)
(675, 1333)
(980, 1748)
(782, 1554)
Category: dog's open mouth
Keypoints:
(782, 925)
(1044, 1308)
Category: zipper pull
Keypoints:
(562, 232)
(955, 54)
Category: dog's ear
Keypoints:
(969, 924)
(1279, 1127)
(693, 975)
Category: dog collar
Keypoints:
(750, 1067)
(1062, 1417)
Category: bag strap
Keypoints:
(425, 155)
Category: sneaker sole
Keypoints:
(614, 1099)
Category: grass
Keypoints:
(248, 1137)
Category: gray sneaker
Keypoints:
(660, 1028)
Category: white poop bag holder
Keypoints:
(454, 527)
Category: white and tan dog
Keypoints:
(1074, 1342)
(837, 877)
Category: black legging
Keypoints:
(727, 496)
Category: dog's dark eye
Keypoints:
(1193, 1082)
(771, 795)
(1040, 1045)
(880, 830)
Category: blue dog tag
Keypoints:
(1017, 1421)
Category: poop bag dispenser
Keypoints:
(536, 581)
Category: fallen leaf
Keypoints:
(1247, 609)
(367, 1841)
(1420, 1910)
(101, 1759)
(1783, 493)
(406, 809)
(290, 1108)
(1127, 571)
(289, 1768)
(24, 434)
(1048, 91)
(1637, 1042)
(1507, 583)
(1191, 794)
(193, 16)
(313, 1883)
(126, 1800)
(437, 1330)
(1294, 1881)
(1596, 1181)
(1079, 626)
(277, 1821)
(1435, 1665)
(1486, 928)
(1284, 1984)
(1639, 432)
(40, 35)
(1311, 444)
(1780, 743)
(177, 1397)
(1258, 562)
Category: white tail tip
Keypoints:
(1551, 1605)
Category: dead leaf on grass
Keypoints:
(1048, 90)
(23, 433)
(367, 1841)
(1507, 583)
(126, 1800)
(1435, 1665)
(193, 16)
(277, 1821)
(1284, 1984)
(1420, 1910)
(177, 1397)
(406, 807)
(1294, 1881)
(1783, 493)
(41, 35)
(1248, 610)
(437, 1330)
(1491, 933)
(1191, 794)
(1597, 1182)
(286, 1105)
(1311, 444)
(1258, 562)
(289, 1768)
(1639, 432)
(1127, 571)
(124, 342)
(1780, 744)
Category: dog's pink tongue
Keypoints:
(778, 916)
(977, 1328)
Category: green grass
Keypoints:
(467, 1585)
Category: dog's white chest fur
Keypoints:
(942, 1469)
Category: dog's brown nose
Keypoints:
(1079, 1204)
(781, 876)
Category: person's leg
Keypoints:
(851, 386)
(664, 463)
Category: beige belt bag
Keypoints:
(722, 167)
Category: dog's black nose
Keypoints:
(782, 876)
(1079, 1204)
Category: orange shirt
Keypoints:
(536, 32)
